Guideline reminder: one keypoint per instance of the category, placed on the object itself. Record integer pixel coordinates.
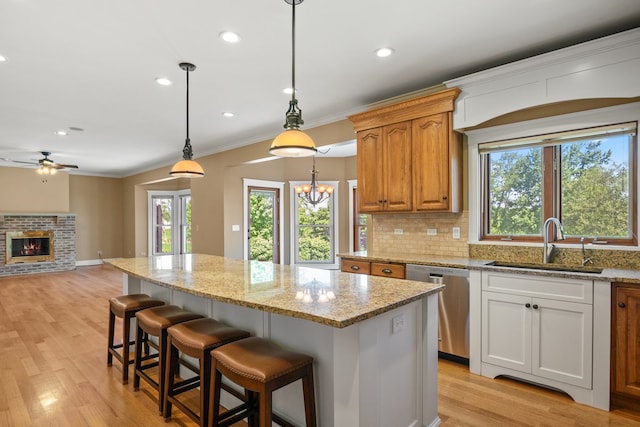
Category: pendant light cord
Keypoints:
(293, 50)
(187, 105)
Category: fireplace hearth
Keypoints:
(29, 246)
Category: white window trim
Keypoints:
(353, 183)
(566, 122)
(176, 219)
(292, 227)
(246, 183)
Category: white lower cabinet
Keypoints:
(539, 336)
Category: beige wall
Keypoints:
(22, 190)
(97, 203)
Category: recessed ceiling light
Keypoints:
(228, 114)
(384, 52)
(3, 58)
(62, 132)
(230, 37)
(163, 81)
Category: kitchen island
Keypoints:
(374, 339)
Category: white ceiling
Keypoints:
(92, 64)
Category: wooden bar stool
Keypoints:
(154, 322)
(261, 367)
(125, 307)
(195, 338)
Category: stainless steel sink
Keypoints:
(549, 267)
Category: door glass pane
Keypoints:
(262, 225)
(596, 188)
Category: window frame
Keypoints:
(563, 123)
(177, 220)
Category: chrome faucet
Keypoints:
(548, 249)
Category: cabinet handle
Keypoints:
(380, 201)
(355, 267)
(621, 304)
(535, 306)
(387, 271)
(527, 305)
(444, 197)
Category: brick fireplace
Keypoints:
(37, 243)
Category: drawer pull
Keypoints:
(621, 304)
(387, 271)
(527, 305)
(535, 306)
(355, 267)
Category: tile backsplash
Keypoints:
(420, 234)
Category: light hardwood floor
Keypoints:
(53, 372)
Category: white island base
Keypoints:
(380, 372)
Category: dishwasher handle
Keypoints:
(435, 278)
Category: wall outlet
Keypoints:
(398, 231)
(432, 232)
(99, 253)
(397, 324)
(456, 232)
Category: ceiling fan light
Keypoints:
(187, 169)
(293, 143)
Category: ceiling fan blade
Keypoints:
(60, 166)
(20, 161)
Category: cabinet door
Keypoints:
(626, 357)
(430, 140)
(396, 169)
(370, 182)
(562, 341)
(506, 331)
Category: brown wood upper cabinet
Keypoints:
(409, 157)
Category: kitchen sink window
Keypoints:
(586, 178)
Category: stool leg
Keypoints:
(137, 363)
(205, 379)
(214, 396)
(265, 406)
(309, 397)
(162, 349)
(112, 323)
(126, 338)
(172, 356)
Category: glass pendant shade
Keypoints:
(187, 169)
(293, 143)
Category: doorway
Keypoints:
(263, 212)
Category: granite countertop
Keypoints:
(607, 274)
(278, 288)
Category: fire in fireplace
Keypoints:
(29, 246)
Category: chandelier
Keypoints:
(293, 142)
(314, 193)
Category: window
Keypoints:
(586, 178)
(315, 229)
(357, 221)
(169, 222)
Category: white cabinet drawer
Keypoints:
(558, 288)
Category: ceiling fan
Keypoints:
(46, 162)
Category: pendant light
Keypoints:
(314, 193)
(187, 167)
(293, 142)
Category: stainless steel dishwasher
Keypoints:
(453, 308)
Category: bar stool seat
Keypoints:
(195, 338)
(155, 322)
(125, 307)
(261, 367)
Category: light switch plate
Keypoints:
(432, 232)
(456, 232)
(398, 231)
(235, 227)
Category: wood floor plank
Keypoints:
(53, 371)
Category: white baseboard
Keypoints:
(88, 262)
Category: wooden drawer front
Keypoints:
(558, 288)
(387, 270)
(353, 266)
